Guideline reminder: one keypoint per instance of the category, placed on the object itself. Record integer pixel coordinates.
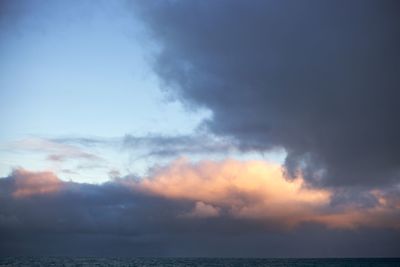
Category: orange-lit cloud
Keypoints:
(385, 213)
(251, 190)
(35, 183)
(259, 190)
(202, 210)
(353, 218)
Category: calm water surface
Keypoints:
(194, 262)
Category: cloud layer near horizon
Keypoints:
(251, 190)
(208, 197)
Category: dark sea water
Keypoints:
(194, 262)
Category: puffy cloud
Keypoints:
(318, 78)
(253, 189)
(28, 184)
(249, 190)
(188, 206)
(260, 190)
(203, 210)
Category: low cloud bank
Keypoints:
(218, 200)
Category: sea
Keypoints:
(195, 262)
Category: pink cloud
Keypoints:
(35, 183)
(259, 190)
(252, 190)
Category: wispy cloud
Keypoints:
(56, 151)
(172, 146)
(159, 145)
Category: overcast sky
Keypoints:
(200, 128)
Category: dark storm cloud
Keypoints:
(42, 215)
(319, 78)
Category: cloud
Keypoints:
(56, 151)
(85, 141)
(159, 145)
(172, 146)
(237, 206)
(28, 184)
(202, 210)
(260, 190)
(317, 78)
(252, 189)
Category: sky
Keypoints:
(200, 128)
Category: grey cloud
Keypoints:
(162, 146)
(85, 219)
(86, 141)
(65, 157)
(158, 145)
(318, 78)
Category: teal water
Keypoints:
(193, 262)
